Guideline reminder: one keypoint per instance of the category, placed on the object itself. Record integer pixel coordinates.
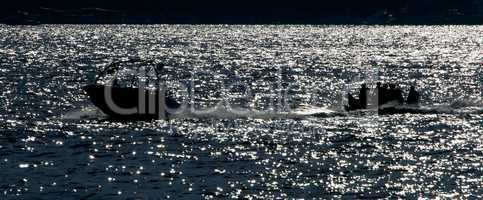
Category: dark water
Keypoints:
(54, 144)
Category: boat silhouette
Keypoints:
(386, 101)
(119, 101)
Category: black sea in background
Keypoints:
(55, 144)
(243, 12)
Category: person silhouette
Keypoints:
(379, 93)
(353, 102)
(363, 96)
(413, 96)
(392, 96)
(398, 94)
(384, 94)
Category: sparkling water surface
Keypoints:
(54, 143)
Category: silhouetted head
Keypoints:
(363, 85)
(385, 85)
(412, 88)
(379, 84)
(392, 86)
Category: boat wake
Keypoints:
(219, 112)
(459, 106)
(467, 102)
(88, 113)
(231, 113)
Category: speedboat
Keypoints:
(118, 100)
(392, 101)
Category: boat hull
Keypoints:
(131, 103)
(402, 110)
(393, 110)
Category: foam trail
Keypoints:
(222, 112)
(464, 105)
(459, 106)
(467, 102)
(219, 112)
(90, 112)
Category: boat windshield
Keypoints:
(131, 74)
